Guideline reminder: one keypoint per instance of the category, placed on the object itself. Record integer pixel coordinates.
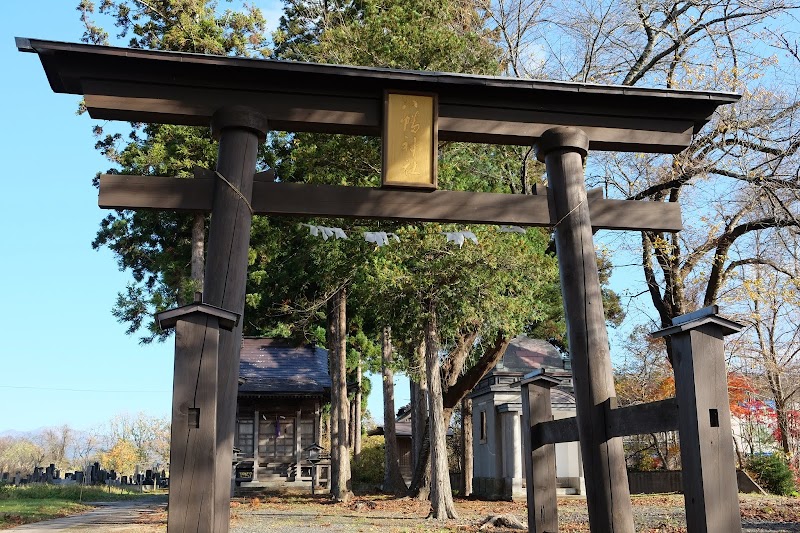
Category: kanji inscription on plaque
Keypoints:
(409, 140)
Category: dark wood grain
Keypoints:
(224, 287)
(540, 461)
(127, 84)
(555, 431)
(707, 456)
(653, 417)
(193, 447)
(607, 492)
(297, 199)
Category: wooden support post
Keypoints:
(562, 149)
(194, 414)
(298, 445)
(710, 489)
(540, 462)
(240, 132)
(316, 440)
(256, 431)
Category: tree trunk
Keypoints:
(351, 425)
(393, 481)
(466, 447)
(419, 417)
(783, 424)
(198, 249)
(340, 486)
(421, 480)
(333, 428)
(739, 458)
(773, 375)
(357, 415)
(442, 506)
(467, 381)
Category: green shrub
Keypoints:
(772, 472)
(368, 470)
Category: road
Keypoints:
(138, 515)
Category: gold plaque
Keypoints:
(409, 140)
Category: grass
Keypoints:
(24, 511)
(34, 503)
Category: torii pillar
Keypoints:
(562, 150)
(193, 434)
(240, 132)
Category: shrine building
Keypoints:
(498, 464)
(281, 393)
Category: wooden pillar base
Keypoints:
(710, 489)
(540, 462)
(194, 414)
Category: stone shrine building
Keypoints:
(498, 465)
(282, 388)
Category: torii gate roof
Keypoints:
(181, 88)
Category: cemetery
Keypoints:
(494, 304)
(94, 475)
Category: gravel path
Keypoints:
(126, 516)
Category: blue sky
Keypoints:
(59, 336)
(64, 358)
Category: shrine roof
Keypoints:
(561, 399)
(182, 88)
(272, 366)
(525, 354)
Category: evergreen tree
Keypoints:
(157, 246)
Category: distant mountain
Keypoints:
(13, 433)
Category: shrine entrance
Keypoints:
(241, 99)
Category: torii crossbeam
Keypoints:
(563, 120)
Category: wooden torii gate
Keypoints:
(243, 98)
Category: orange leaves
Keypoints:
(739, 391)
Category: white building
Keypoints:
(498, 465)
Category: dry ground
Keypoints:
(653, 513)
(368, 513)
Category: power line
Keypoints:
(75, 390)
